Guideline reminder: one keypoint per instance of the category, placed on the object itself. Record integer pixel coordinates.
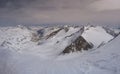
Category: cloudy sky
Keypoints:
(59, 11)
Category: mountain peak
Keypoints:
(64, 39)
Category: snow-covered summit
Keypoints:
(44, 40)
(42, 50)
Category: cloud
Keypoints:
(50, 11)
(45, 10)
(102, 5)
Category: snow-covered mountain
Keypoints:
(59, 50)
(58, 40)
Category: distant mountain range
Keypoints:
(58, 40)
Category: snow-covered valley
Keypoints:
(59, 50)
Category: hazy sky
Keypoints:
(59, 11)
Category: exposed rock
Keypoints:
(111, 32)
(79, 31)
(79, 44)
(103, 43)
(66, 29)
(53, 33)
(35, 37)
(5, 43)
(40, 32)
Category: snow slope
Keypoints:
(96, 35)
(103, 60)
(15, 37)
(50, 41)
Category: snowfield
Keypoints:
(38, 50)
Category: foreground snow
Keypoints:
(103, 60)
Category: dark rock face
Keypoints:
(40, 32)
(111, 32)
(66, 29)
(35, 37)
(53, 33)
(79, 44)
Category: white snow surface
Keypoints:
(96, 35)
(30, 58)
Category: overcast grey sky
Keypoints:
(59, 11)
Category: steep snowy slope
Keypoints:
(96, 35)
(53, 41)
(103, 60)
(15, 37)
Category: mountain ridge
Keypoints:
(23, 38)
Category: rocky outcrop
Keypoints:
(111, 32)
(35, 36)
(79, 44)
(53, 33)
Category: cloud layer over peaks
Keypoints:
(53, 11)
(102, 5)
